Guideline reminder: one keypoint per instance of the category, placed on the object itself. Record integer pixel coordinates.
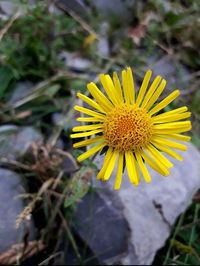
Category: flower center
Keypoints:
(128, 127)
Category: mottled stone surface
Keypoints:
(176, 74)
(21, 90)
(14, 141)
(10, 207)
(102, 225)
(148, 211)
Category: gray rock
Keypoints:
(11, 7)
(101, 224)
(21, 90)
(10, 207)
(67, 121)
(103, 44)
(149, 209)
(8, 7)
(121, 9)
(175, 73)
(74, 61)
(14, 141)
(76, 6)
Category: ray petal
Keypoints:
(151, 90)
(118, 180)
(107, 158)
(144, 87)
(85, 134)
(87, 142)
(89, 119)
(165, 102)
(156, 95)
(177, 137)
(179, 110)
(110, 165)
(160, 156)
(131, 168)
(109, 88)
(125, 87)
(152, 163)
(90, 102)
(131, 87)
(170, 143)
(118, 87)
(91, 151)
(171, 118)
(100, 97)
(87, 127)
(88, 112)
(168, 151)
(143, 168)
(158, 162)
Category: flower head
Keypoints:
(132, 128)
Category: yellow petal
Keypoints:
(113, 90)
(89, 119)
(118, 180)
(143, 168)
(156, 95)
(110, 165)
(91, 151)
(177, 136)
(168, 151)
(86, 142)
(125, 87)
(165, 102)
(131, 85)
(108, 87)
(151, 90)
(85, 134)
(131, 168)
(171, 118)
(171, 130)
(173, 125)
(172, 112)
(152, 163)
(118, 87)
(100, 97)
(90, 102)
(144, 86)
(158, 162)
(88, 112)
(159, 156)
(87, 127)
(170, 143)
(105, 163)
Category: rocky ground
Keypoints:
(52, 210)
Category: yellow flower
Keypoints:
(132, 128)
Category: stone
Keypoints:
(103, 43)
(10, 207)
(175, 73)
(21, 90)
(147, 211)
(8, 8)
(74, 61)
(76, 6)
(118, 9)
(15, 141)
(101, 224)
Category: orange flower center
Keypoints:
(128, 127)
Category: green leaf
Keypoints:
(6, 76)
(78, 186)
